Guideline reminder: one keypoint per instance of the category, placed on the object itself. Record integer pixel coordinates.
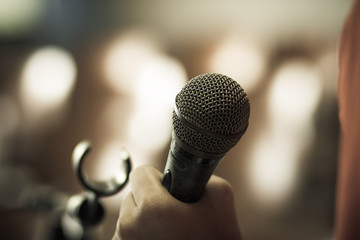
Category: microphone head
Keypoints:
(211, 113)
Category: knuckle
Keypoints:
(226, 189)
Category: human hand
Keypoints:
(150, 212)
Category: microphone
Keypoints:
(210, 116)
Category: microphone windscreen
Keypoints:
(211, 113)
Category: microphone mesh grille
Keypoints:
(218, 106)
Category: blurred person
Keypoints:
(150, 212)
(348, 191)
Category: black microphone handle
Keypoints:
(187, 171)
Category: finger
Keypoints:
(126, 216)
(219, 192)
(145, 181)
(219, 188)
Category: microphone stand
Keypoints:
(84, 210)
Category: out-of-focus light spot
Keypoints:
(125, 57)
(20, 16)
(158, 84)
(47, 81)
(295, 92)
(241, 59)
(48, 76)
(292, 101)
(273, 169)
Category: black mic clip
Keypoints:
(85, 208)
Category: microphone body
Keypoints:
(187, 171)
(210, 116)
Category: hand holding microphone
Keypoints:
(149, 212)
(210, 116)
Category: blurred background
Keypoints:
(108, 71)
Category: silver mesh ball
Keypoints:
(213, 113)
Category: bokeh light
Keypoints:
(273, 169)
(295, 93)
(158, 84)
(47, 81)
(275, 159)
(242, 59)
(124, 58)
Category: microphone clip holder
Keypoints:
(85, 209)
